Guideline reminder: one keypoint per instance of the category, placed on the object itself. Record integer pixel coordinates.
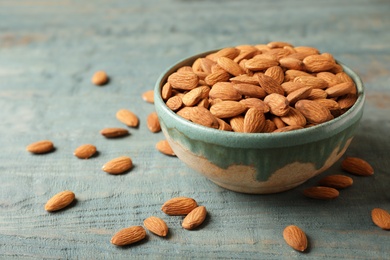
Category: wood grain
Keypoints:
(48, 54)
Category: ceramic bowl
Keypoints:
(258, 163)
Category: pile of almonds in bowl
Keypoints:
(263, 88)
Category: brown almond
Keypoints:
(255, 102)
(291, 63)
(99, 78)
(357, 166)
(85, 151)
(166, 91)
(224, 91)
(153, 123)
(314, 112)
(278, 104)
(347, 101)
(112, 132)
(246, 79)
(317, 93)
(269, 84)
(148, 96)
(259, 64)
(195, 218)
(290, 75)
(313, 82)
(127, 236)
(40, 147)
(254, 121)
(226, 109)
(275, 72)
(206, 64)
(156, 225)
(336, 181)
(223, 125)
(307, 49)
(287, 128)
(185, 112)
(127, 117)
(203, 116)
(318, 63)
(269, 126)
(237, 123)
(230, 66)
(192, 97)
(185, 80)
(330, 104)
(228, 52)
(298, 94)
(295, 237)
(60, 200)
(329, 77)
(381, 218)
(340, 89)
(292, 86)
(118, 165)
(164, 147)
(321, 192)
(175, 103)
(294, 118)
(218, 76)
(249, 90)
(278, 44)
(179, 206)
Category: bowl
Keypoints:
(258, 163)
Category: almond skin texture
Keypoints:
(114, 132)
(164, 147)
(195, 218)
(295, 237)
(321, 193)
(127, 117)
(127, 236)
(179, 206)
(254, 121)
(357, 166)
(336, 181)
(381, 218)
(153, 123)
(40, 147)
(60, 201)
(226, 109)
(148, 96)
(156, 225)
(118, 165)
(85, 151)
(99, 78)
(314, 112)
(184, 80)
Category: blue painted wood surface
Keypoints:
(48, 53)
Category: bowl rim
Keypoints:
(256, 140)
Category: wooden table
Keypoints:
(48, 53)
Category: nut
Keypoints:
(60, 200)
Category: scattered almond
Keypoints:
(60, 201)
(153, 123)
(357, 166)
(336, 181)
(85, 151)
(114, 132)
(164, 147)
(179, 206)
(127, 236)
(295, 237)
(40, 147)
(118, 165)
(156, 225)
(148, 96)
(127, 117)
(321, 192)
(195, 218)
(99, 78)
(381, 218)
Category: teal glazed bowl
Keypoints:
(258, 163)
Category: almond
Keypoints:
(223, 125)
(179, 206)
(99, 78)
(195, 218)
(336, 181)
(269, 84)
(153, 123)
(206, 64)
(357, 166)
(329, 77)
(314, 112)
(164, 147)
(174, 103)
(60, 201)
(85, 151)
(298, 94)
(307, 49)
(317, 93)
(275, 72)
(148, 96)
(118, 165)
(347, 101)
(295, 237)
(318, 63)
(321, 192)
(224, 91)
(255, 102)
(185, 112)
(287, 128)
(127, 117)
(269, 126)
(291, 63)
(127, 236)
(340, 89)
(226, 109)
(40, 147)
(294, 118)
(192, 97)
(278, 44)
(184, 80)
(237, 123)
(381, 218)
(254, 121)
(292, 86)
(310, 81)
(259, 64)
(203, 116)
(230, 66)
(290, 75)
(246, 79)
(219, 76)
(114, 132)
(278, 104)
(156, 225)
(249, 90)
(229, 52)
(166, 91)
